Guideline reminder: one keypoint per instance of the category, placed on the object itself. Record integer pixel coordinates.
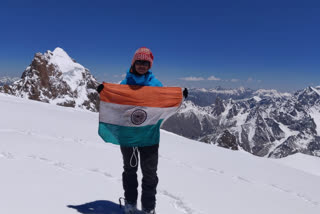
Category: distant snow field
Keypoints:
(52, 161)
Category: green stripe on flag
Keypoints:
(130, 136)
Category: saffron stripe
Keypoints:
(149, 96)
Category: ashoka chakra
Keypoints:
(138, 116)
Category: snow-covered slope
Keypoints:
(52, 161)
(302, 162)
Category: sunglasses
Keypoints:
(142, 62)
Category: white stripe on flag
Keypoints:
(122, 115)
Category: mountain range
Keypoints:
(8, 80)
(263, 122)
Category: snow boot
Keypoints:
(148, 211)
(129, 208)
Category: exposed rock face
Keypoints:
(267, 124)
(54, 77)
(227, 140)
(218, 107)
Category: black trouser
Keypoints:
(149, 165)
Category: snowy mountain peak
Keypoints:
(315, 90)
(54, 77)
(309, 96)
(242, 89)
(63, 61)
(60, 51)
(310, 90)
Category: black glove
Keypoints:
(185, 93)
(100, 88)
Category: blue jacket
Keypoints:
(147, 79)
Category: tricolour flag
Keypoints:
(132, 115)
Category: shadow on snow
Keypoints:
(98, 207)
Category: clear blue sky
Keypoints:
(256, 44)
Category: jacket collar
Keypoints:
(139, 80)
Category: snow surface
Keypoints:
(256, 98)
(52, 161)
(309, 164)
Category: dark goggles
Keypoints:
(142, 62)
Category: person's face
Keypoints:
(141, 66)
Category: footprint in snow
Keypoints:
(178, 202)
(216, 171)
(102, 173)
(298, 195)
(6, 155)
(242, 179)
(61, 165)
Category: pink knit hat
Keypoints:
(143, 54)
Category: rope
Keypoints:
(134, 155)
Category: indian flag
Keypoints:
(132, 115)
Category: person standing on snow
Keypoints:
(139, 74)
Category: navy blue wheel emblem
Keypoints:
(138, 117)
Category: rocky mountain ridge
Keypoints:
(205, 97)
(269, 125)
(54, 77)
